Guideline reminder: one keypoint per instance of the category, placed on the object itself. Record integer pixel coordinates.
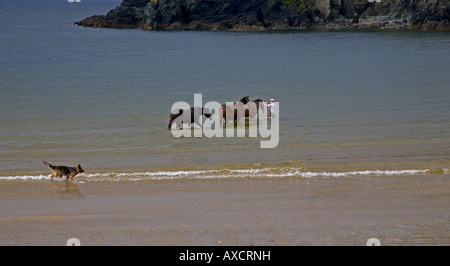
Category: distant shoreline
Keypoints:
(342, 25)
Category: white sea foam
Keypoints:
(364, 173)
(223, 173)
(25, 177)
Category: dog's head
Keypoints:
(79, 169)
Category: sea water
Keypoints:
(351, 102)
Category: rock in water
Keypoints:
(253, 15)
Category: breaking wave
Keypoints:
(275, 172)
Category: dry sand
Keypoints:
(405, 210)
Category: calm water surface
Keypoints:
(350, 102)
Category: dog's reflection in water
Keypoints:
(65, 190)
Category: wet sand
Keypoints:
(399, 210)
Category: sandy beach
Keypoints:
(400, 210)
(362, 140)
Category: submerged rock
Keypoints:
(255, 15)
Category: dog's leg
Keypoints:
(71, 176)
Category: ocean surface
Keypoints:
(351, 103)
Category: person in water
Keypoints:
(271, 107)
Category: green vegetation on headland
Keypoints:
(257, 15)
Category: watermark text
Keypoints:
(213, 120)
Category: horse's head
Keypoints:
(258, 103)
(245, 99)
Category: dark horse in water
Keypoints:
(253, 108)
(243, 108)
(191, 115)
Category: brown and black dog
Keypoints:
(68, 172)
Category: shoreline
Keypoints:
(370, 23)
(407, 210)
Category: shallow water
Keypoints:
(350, 102)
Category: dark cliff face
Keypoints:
(274, 14)
(128, 15)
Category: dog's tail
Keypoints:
(49, 165)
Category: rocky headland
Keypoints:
(259, 15)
